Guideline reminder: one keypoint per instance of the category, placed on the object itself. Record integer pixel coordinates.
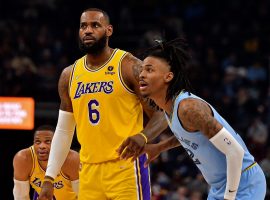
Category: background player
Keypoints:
(30, 165)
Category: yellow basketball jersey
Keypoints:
(62, 185)
(105, 109)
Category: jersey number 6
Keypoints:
(93, 113)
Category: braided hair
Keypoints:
(176, 54)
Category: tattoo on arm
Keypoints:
(63, 89)
(196, 115)
(136, 66)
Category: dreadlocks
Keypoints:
(175, 53)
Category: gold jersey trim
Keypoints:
(94, 70)
(71, 75)
(33, 159)
(64, 176)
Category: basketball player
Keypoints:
(30, 166)
(213, 145)
(100, 95)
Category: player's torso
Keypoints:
(105, 109)
(210, 161)
(62, 185)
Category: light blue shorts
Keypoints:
(252, 186)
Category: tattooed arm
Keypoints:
(196, 115)
(132, 146)
(62, 137)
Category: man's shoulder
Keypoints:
(72, 157)
(23, 157)
(71, 165)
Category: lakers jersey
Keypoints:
(105, 109)
(62, 185)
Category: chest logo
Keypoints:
(110, 71)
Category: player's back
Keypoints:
(105, 109)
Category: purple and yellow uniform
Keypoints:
(106, 113)
(62, 184)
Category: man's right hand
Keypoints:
(46, 191)
(153, 151)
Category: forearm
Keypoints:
(169, 143)
(61, 143)
(234, 153)
(21, 190)
(155, 126)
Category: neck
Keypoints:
(43, 164)
(161, 101)
(96, 60)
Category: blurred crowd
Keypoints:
(229, 44)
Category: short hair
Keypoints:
(175, 52)
(105, 14)
(44, 128)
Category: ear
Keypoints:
(109, 30)
(168, 77)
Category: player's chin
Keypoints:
(144, 94)
(43, 158)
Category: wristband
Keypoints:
(48, 180)
(146, 140)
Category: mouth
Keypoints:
(87, 39)
(43, 153)
(143, 85)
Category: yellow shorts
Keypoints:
(115, 180)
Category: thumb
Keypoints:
(146, 163)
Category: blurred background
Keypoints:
(229, 43)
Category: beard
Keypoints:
(94, 48)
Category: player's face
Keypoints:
(154, 77)
(94, 32)
(42, 144)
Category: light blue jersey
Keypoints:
(210, 161)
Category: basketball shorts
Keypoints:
(252, 186)
(115, 180)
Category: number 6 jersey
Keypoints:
(105, 109)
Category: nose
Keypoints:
(88, 29)
(42, 145)
(142, 74)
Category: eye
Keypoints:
(48, 141)
(37, 142)
(149, 70)
(96, 25)
(83, 26)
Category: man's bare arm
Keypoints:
(157, 122)
(63, 90)
(22, 164)
(196, 115)
(71, 165)
(62, 138)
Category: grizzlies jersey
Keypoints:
(62, 184)
(105, 109)
(210, 161)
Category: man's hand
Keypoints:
(46, 191)
(153, 151)
(132, 147)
